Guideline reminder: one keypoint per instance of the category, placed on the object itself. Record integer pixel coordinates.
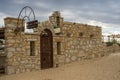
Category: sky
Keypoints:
(104, 13)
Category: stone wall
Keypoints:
(113, 49)
(77, 42)
(18, 49)
(81, 41)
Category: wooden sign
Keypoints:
(32, 24)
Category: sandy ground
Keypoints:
(106, 68)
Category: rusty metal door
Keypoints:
(46, 49)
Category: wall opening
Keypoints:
(2, 64)
(32, 48)
(58, 48)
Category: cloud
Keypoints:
(68, 14)
(97, 23)
(20, 1)
(107, 28)
(42, 5)
(104, 13)
(2, 16)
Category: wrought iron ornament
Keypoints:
(26, 13)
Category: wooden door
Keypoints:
(46, 47)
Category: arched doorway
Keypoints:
(46, 49)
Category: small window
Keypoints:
(32, 48)
(58, 48)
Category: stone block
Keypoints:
(11, 49)
(18, 49)
(10, 70)
(9, 54)
(61, 58)
(11, 41)
(73, 58)
(19, 59)
(67, 60)
(17, 71)
(81, 53)
(28, 66)
(22, 62)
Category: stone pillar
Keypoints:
(10, 43)
(56, 20)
